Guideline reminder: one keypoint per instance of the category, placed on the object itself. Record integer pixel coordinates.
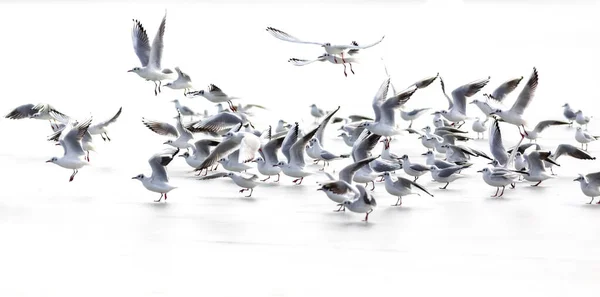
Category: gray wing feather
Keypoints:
(323, 125)
(297, 150)
(160, 128)
(347, 173)
(496, 144)
(216, 123)
(141, 44)
(460, 94)
(157, 45)
(570, 150)
(379, 97)
(289, 140)
(446, 172)
(506, 88)
(405, 182)
(222, 150)
(526, 94)
(545, 124)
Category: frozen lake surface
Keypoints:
(102, 235)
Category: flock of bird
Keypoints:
(229, 138)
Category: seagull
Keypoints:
(70, 139)
(323, 125)
(584, 137)
(323, 154)
(581, 119)
(183, 81)
(363, 204)
(246, 182)
(342, 189)
(457, 107)
(361, 150)
(39, 112)
(497, 146)
(182, 133)
(316, 112)
(536, 170)
(268, 158)
(386, 154)
(569, 113)
(200, 150)
(159, 181)
(329, 48)
(282, 126)
(590, 185)
(413, 169)
(401, 187)
(541, 126)
(460, 154)
(441, 164)
(515, 114)
(446, 175)
(334, 59)
(385, 121)
(412, 115)
(184, 110)
(479, 127)
(569, 150)
(295, 154)
(500, 177)
(232, 163)
(150, 57)
(100, 128)
(247, 143)
(215, 95)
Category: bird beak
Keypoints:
(165, 142)
(471, 102)
(49, 161)
(575, 179)
(135, 177)
(130, 70)
(490, 163)
(181, 156)
(320, 189)
(424, 154)
(275, 165)
(479, 171)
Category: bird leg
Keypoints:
(342, 207)
(87, 157)
(410, 126)
(552, 171)
(497, 189)
(298, 179)
(155, 87)
(345, 74)
(373, 187)
(165, 197)
(107, 136)
(398, 202)
(251, 190)
(102, 135)
(503, 187)
(591, 201)
(161, 195)
(263, 180)
(445, 186)
(278, 176)
(367, 216)
(351, 70)
(159, 84)
(73, 175)
(416, 177)
(537, 184)
(513, 185)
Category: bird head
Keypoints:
(579, 178)
(53, 160)
(185, 155)
(168, 142)
(140, 177)
(135, 70)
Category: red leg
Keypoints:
(301, 179)
(165, 197)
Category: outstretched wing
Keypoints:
(157, 45)
(141, 44)
(526, 94)
(506, 88)
(160, 128)
(460, 94)
(287, 37)
(303, 62)
(348, 172)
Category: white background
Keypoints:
(102, 235)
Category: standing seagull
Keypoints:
(363, 204)
(159, 181)
(70, 140)
(569, 113)
(590, 185)
(183, 81)
(584, 137)
(329, 48)
(479, 127)
(457, 107)
(401, 187)
(316, 112)
(150, 56)
(412, 115)
(100, 128)
(515, 114)
(581, 119)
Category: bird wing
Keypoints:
(417, 111)
(202, 147)
(545, 124)
(181, 75)
(141, 44)
(158, 163)
(222, 150)
(290, 138)
(389, 106)
(423, 83)
(593, 178)
(506, 88)
(160, 128)
(21, 112)
(347, 173)
(460, 94)
(405, 182)
(184, 133)
(157, 45)
(297, 149)
(526, 94)
(213, 176)
(359, 47)
(446, 172)
(216, 123)
(450, 103)
(323, 125)
(496, 144)
(303, 62)
(572, 151)
(248, 147)
(111, 120)
(287, 37)
(71, 137)
(363, 145)
(270, 149)
(379, 97)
